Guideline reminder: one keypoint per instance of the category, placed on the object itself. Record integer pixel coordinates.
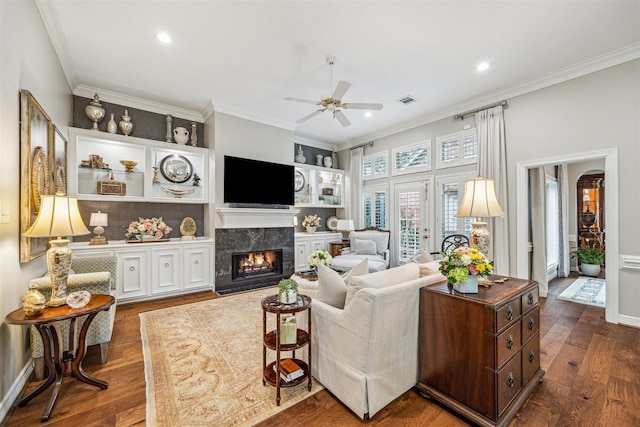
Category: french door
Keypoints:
(411, 219)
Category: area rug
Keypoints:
(203, 364)
(586, 290)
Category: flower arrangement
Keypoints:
(311, 221)
(321, 256)
(154, 227)
(462, 262)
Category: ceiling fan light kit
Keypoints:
(334, 103)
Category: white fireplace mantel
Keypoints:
(255, 217)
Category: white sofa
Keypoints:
(366, 353)
(370, 243)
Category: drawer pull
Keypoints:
(532, 356)
(509, 342)
(532, 323)
(509, 313)
(530, 298)
(166, 264)
(196, 262)
(510, 381)
(132, 268)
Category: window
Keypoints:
(552, 224)
(411, 158)
(375, 206)
(375, 166)
(456, 149)
(449, 195)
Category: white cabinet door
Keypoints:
(133, 268)
(166, 274)
(303, 249)
(196, 267)
(318, 243)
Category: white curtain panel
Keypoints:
(563, 221)
(492, 164)
(537, 210)
(354, 207)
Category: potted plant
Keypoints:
(590, 260)
(287, 291)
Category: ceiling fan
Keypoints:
(334, 102)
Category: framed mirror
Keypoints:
(298, 183)
(176, 168)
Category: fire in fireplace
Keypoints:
(255, 263)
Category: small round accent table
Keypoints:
(271, 372)
(62, 363)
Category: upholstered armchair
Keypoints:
(370, 243)
(97, 276)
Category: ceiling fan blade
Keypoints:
(308, 116)
(341, 89)
(338, 114)
(308, 101)
(361, 106)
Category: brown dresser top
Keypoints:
(496, 295)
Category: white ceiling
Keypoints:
(244, 57)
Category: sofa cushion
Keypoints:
(421, 257)
(381, 238)
(429, 268)
(363, 247)
(382, 279)
(347, 262)
(332, 288)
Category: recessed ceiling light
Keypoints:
(483, 66)
(164, 38)
(368, 114)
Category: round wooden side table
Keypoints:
(62, 363)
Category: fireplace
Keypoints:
(242, 253)
(255, 263)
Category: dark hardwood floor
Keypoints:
(592, 378)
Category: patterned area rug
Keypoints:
(586, 290)
(203, 364)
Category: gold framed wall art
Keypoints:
(58, 160)
(36, 161)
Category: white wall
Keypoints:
(27, 61)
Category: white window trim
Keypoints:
(421, 144)
(460, 161)
(372, 158)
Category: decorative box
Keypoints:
(112, 187)
(288, 330)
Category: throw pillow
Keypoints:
(421, 257)
(331, 287)
(429, 268)
(358, 270)
(364, 247)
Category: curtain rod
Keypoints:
(370, 144)
(486, 107)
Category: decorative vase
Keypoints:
(311, 229)
(592, 270)
(328, 162)
(181, 135)
(168, 136)
(289, 297)
(126, 126)
(319, 159)
(300, 158)
(33, 301)
(334, 158)
(112, 127)
(468, 287)
(95, 111)
(194, 134)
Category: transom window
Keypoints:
(412, 158)
(456, 149)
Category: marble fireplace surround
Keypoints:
(246, 230)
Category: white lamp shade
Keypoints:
(479, 199)
(99, 219)
(345, 225)
(58, 216)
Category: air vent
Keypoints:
(406, 100)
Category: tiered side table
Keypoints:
(271, 340)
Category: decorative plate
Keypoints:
(298, 183)
(188, 227)
(332, 223)
(78, 299)
(40, 178)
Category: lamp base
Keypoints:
(480, 236)
(98, 240)
(59, 264)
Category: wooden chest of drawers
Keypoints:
(479, 353)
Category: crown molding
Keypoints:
(310, 142)
(49, 16)
(599, 63)
(142, 104)
(242, 114)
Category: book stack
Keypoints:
(288, 330)
(289, 370)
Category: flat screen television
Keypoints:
(255, 182)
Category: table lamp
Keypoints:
(59, 216)
(98, 220)
(345, 225)
(479, 201)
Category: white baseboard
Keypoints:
(15, 390)
(629, 320)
